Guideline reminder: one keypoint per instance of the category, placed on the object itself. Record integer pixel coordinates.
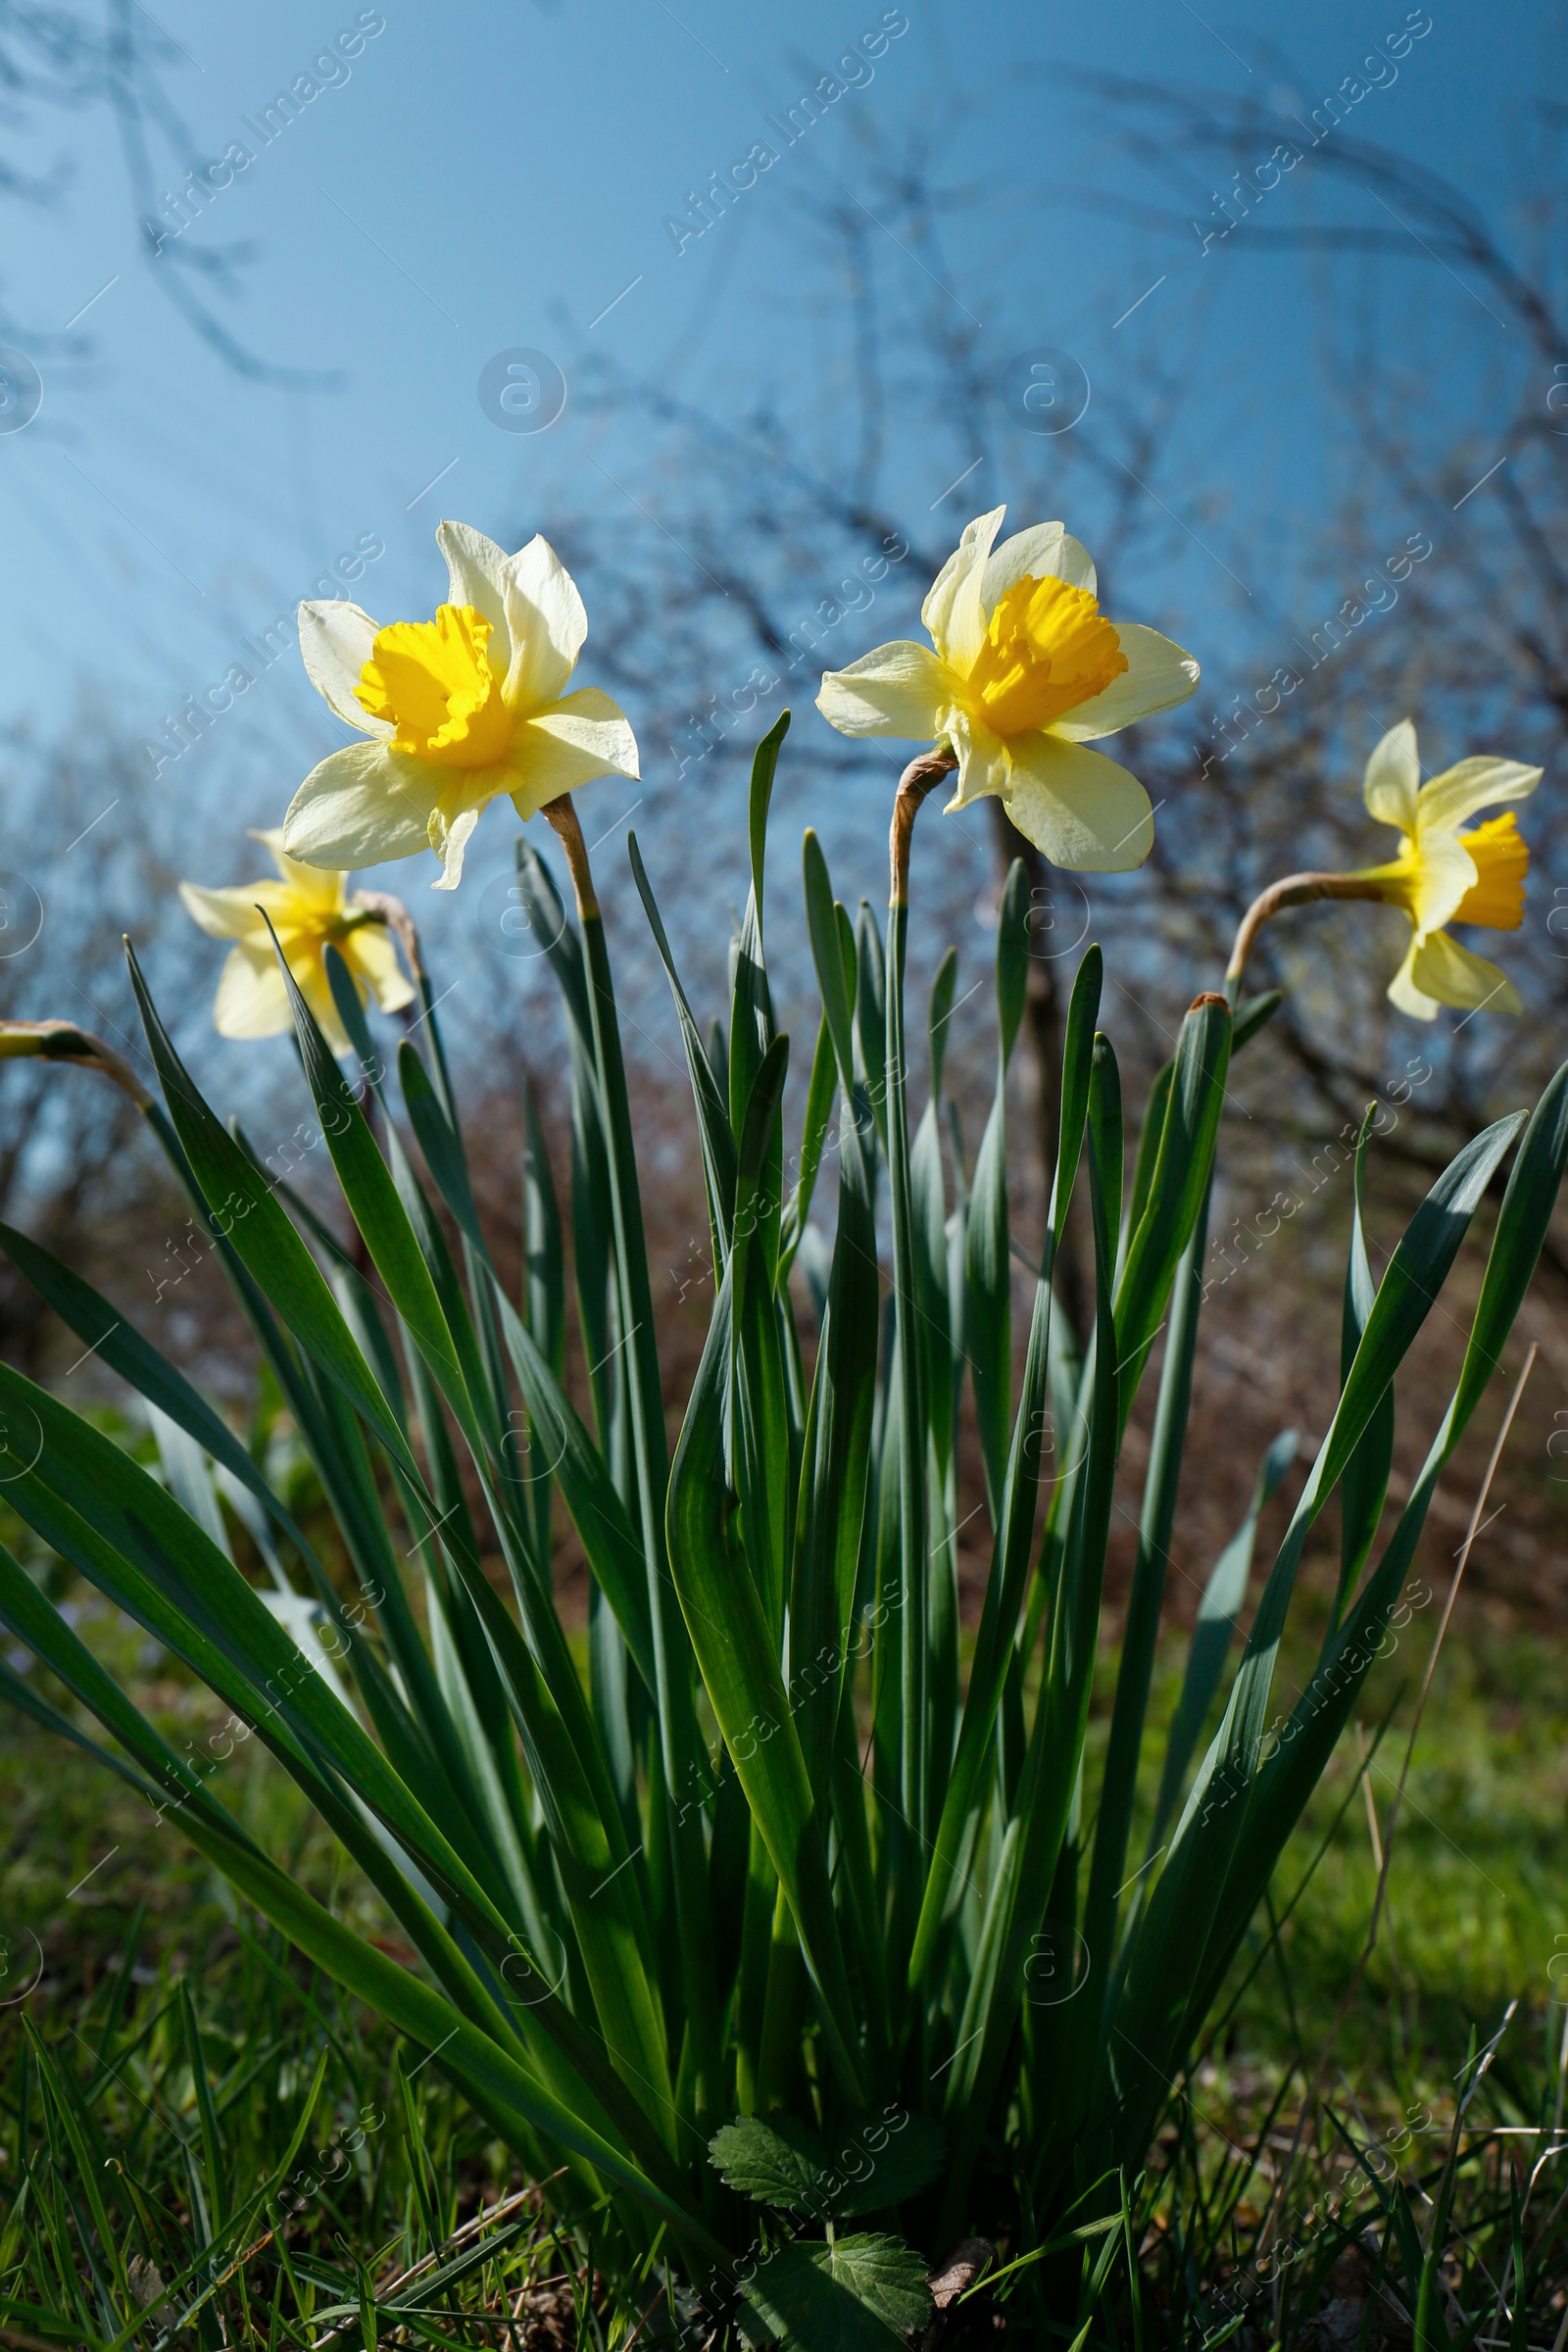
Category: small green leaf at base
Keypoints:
(781, 2163)
(784, 2163)
(863, 2295)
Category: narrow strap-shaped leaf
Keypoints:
(871, 1013)
(1106, 1125)
(765, 766)
(1250, 1016)
(988, 1316)
(1218, 1615)
(1146, 1599)
(752, 1025)
(1149, 1142)
(942, 988)
(544, 1256)
(359, 1302)
(1049, 1780)
(760, 1449)
(1365, 1481)
(383, 1219)
(213, 1619)
(118, 1344)
(908, 1372)
(834, 976)
(835, 1472)
(587, 1488)
(820, 1094)
(555, 1429)
(556, 934)
(1010, 1553)
(713, 1115)
(741, 1675)
(1177, 1187)
(1522, 1222)
(242, 1209)
(544, 1294)
(680, 1749)
(929, 1205)
(121, 1530)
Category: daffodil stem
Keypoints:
(921, 776)
(562, 817)
(1293, 890)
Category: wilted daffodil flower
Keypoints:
(309, 911)
(1025, 673)
(1443, 875)
(456, 710)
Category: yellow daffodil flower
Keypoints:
(456, 710)
(1025, 673)
(1443, 875)
(308, 909)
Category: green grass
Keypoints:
(1476, 1910)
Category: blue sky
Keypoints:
(486, 177)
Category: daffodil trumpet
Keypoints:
(1441, 875)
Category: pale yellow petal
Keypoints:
(985, 770)
(1445, 801)
(335, 643)
(1404, 995)
(319, 891)
(1442, 968)
(251, 999)
(898, 688)
(1045, 551)
(1158, 675)
(1392, 774)
(582, 736)
(548, 625)
(362, 804)
(448, 835)
(310, 978)
(477, 571)
(1444, 872)
(951, 612)
(1083, 810)
(223, 913)
(372, 956)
